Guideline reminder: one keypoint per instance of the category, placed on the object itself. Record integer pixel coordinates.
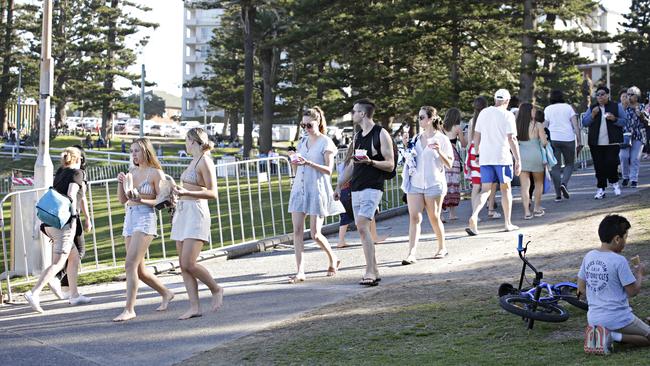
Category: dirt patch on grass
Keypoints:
(450, 316)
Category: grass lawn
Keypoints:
(438, 321)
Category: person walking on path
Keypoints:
(495, 136)
(566, 141)
(472, 167)
(451, 125)
(424, 180)
(367, 175)
(605, 120)
(636, 121)
(68, 181)
(532, 140)
(191, 222)
(311, 192)
(138, 190)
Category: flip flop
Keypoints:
(440, 255)
(539, 213)
(528, 217)
(494, 214)
(296, 279)
(470, 232)
(369, 282)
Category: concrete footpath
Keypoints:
(257, 295)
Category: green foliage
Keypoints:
(153, 104)
(633, 62)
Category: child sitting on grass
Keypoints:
(605, 277)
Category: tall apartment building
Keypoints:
(198, 26)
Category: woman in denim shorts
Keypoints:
(424, 181)
(140, 223)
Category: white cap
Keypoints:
(502, 94)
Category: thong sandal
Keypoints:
(296, 279)
(493, 214)
(331, 271)
(528, 217)
(369, 282)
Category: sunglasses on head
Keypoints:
(306, 125)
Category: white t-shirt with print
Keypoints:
(494, 124)
(559, 117)
(606, 275)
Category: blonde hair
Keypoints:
(199, 135)
(148, 151)
(317, 114)
(69, 156)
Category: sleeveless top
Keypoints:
(365, 176)
(145, 187)
(190, 176)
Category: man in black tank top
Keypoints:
(366, 176)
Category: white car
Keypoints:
(187, 125)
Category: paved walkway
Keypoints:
(257, 295)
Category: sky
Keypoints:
(163, 55)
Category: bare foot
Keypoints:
(189, 314)
(126, 315)
(217, 299)
(381, 238)
(511, 227)
(165, 301)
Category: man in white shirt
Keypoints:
(495, 137)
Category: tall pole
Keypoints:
(18, 109)
(43, 168)
(608, 84)
(205, 117)
(142, 76)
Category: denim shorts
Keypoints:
(501, 174)
(366, 202)
(433, 191)
(140, 218)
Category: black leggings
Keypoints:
(606, 162)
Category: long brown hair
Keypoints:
(432, 113)
(452, 118)
(148, 151)
(317, 114)
(524, 117)
(479, 104)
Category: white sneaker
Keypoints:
(80, 300)
(617, 189)
(600, 194)
(55, 285)
(34, 301)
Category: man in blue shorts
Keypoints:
(496, 140)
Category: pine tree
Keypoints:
(633, 61)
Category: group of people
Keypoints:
(138, 191)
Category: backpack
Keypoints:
(54, 209)
(376, 138)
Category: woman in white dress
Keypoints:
(311, 193)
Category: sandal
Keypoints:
(528, 217)
(295, 279)
(539, 213)
(440, 255)
(331, 271)
(493, 214)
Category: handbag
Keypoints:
(54, 209)
(548, 157)
(548, 182)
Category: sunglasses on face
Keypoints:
(306, 125)
(423, 117)
(601, 94)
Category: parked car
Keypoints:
(187, 125)
(163, 130)
(119, 127)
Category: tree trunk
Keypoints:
(107, 103)
(61, 79)
(248, 17)
(7, 61)
(265, 139)
(234, 124)
(528, 59)
(454, 70)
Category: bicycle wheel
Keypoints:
(522, 306)
(568, 293)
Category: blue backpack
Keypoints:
(54, 209)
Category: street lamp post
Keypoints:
(142, 77)
(608, 56)
(43, 168)
(18, 109)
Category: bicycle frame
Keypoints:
(537, 282)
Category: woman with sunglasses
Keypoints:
(424, 181)
(311, 193)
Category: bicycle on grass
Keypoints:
(539, 302)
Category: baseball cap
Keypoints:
(502, 94)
